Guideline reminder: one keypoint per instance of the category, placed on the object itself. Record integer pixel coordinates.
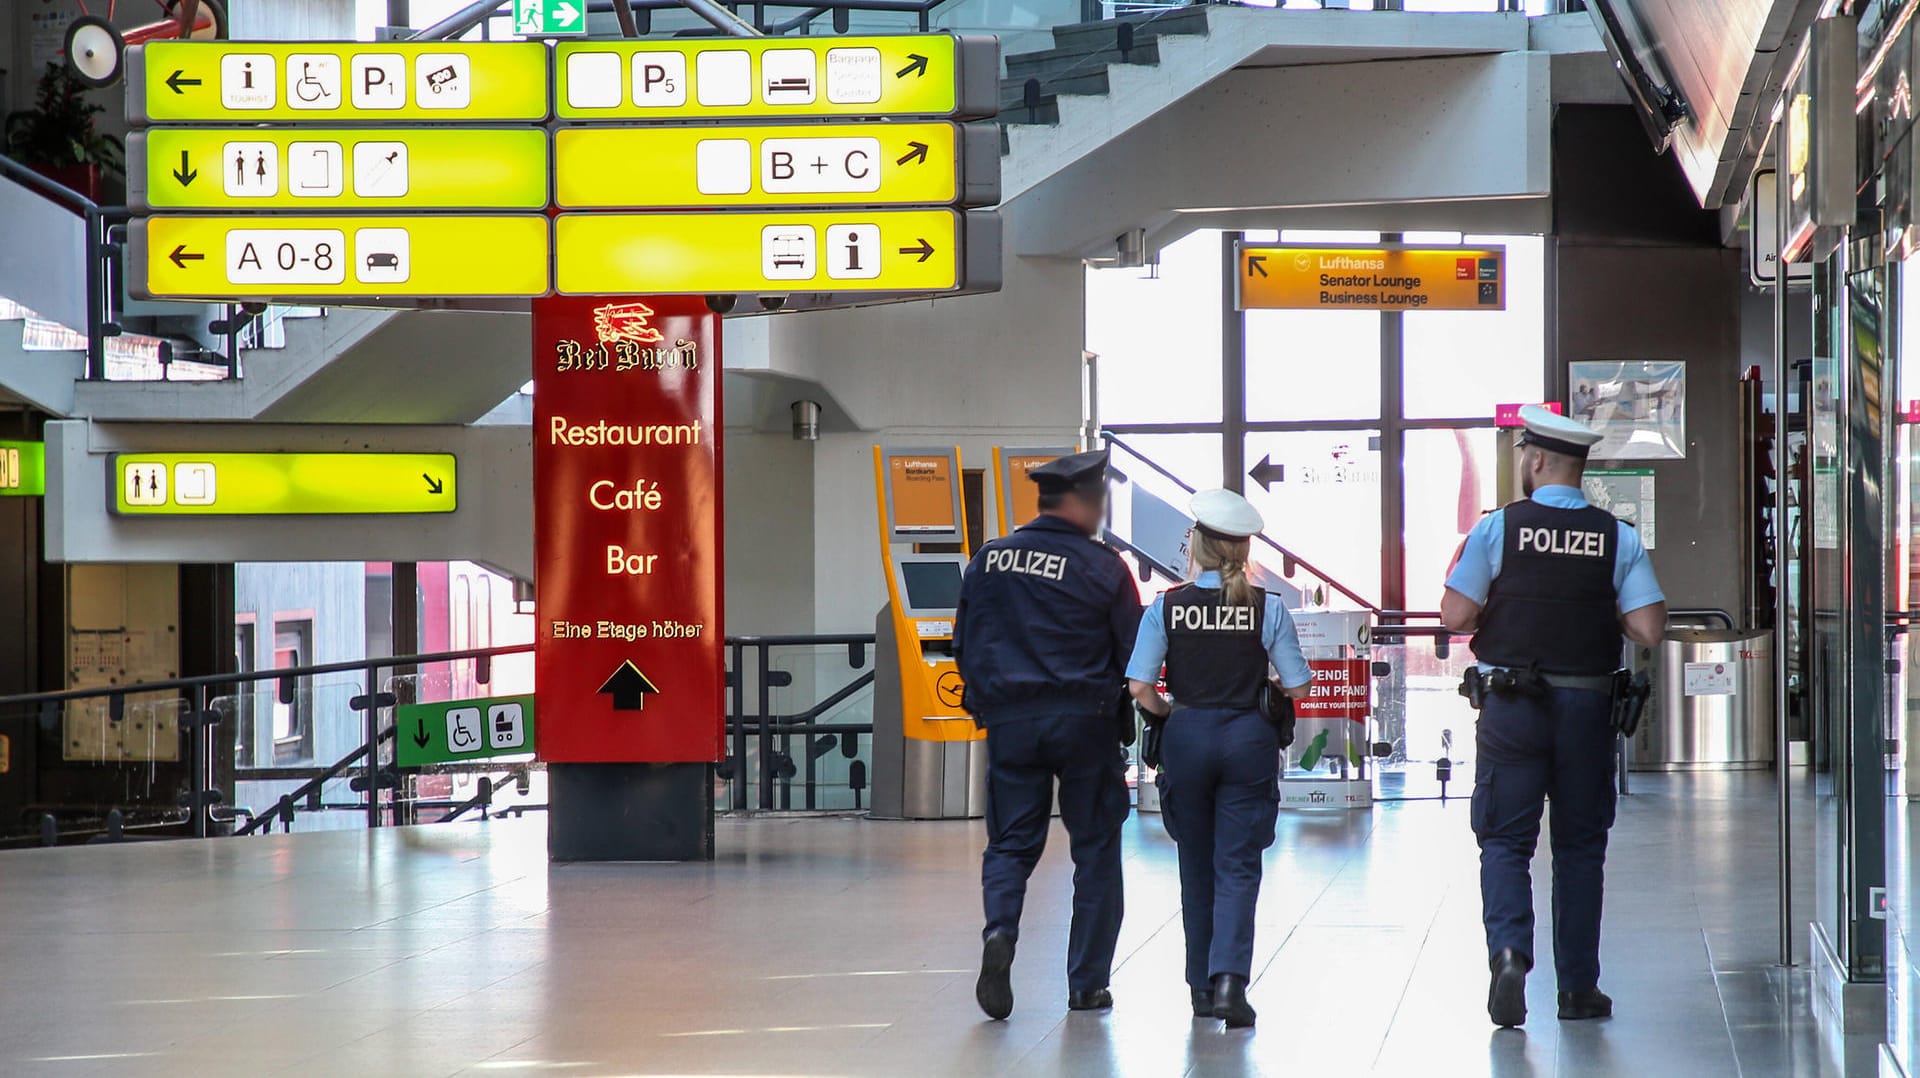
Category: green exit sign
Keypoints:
(23, 469)
(536, 18)
(448, 733)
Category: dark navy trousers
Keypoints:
(1024, 759)
(1219, 796)
(1558, 747)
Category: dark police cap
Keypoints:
(1081, 471)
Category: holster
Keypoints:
(1123, 720)
(1153, 729)
(1630, 694)
(1277, 708)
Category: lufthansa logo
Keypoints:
(949, 688)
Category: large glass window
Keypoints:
(1449, 478)
(1322, 500)
(1461, 364)
(1156, 332)
(1306, 365)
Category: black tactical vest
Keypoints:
(1553, 605)
(1215, 657)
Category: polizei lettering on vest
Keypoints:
(1213, 619)
(1579, 544)
(1031, 562)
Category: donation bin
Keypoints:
(1712, 705)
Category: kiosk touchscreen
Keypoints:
(929, 590)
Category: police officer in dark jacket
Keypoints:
(1548, 586)
(1046, 621)
(1220, 755)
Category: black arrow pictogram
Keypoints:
(1256, 265)
(925, 250)
(917, 153)
(178, 79)
(434, 486)
(917, 66)
(420, 737)
(181, 256)
(186, 173)
(628, 687)
(1266, 473)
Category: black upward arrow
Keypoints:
(628, 687)
(433, 485)
(181, 256)
(178, 79)
(917, 66)
(917, 153)
(1266, 473)
(1256, 265)
(186, 173)
(420, 737)
(925, 250)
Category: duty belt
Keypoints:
(1591, 683)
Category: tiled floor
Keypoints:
(840, 946)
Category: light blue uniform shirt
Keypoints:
(1277, 635)
(1633, 579)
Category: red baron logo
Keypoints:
(625, 322)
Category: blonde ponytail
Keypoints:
(1228, 557)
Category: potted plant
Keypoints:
(56, 137)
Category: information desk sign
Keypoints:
(281, 257)
(23, 469)
(627, 540)
(316, 168)
(457, 730)
(283, 484)
(324, 82)
(852, 163)
(778, 252)
(933, 75)
(1387, 277)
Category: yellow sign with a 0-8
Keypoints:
(867, 164)
(339, 257)
(329, 82)
(908, 75)
(283, 484)
(778, 252)
(421, 168)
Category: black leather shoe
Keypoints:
(1507, 995)
(994, 990)
(1230, 1001)
(1099, 999)
(1590, 1003)
(1203, 1003)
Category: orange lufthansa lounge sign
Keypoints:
(1383, 277)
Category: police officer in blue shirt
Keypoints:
(1220, 755)
(1046, 619)
(1548, 586)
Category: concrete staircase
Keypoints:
(1079, 62)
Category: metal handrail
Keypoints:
(98, 255)
(1374, 608)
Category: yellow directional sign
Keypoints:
(306, 168)
(867, 164)
(283, 484)
(276, 257)
(777, 252)
(911, 75)
(1389, 277)
(328, 82)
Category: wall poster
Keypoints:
(1638, 406)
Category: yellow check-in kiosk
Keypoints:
(1017, 498)
(929, 759)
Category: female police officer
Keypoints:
(1221, 757)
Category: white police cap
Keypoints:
(1226, 514)
(1556, 433)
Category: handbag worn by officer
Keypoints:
(1277, 708)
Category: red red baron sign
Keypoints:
(629, 663)
(1341, 689)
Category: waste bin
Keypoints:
(1712, 705)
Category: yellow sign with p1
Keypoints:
(313, 168)
(325, 82)
(1386, 277)
(283, 484)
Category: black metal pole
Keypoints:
(1233, 369)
